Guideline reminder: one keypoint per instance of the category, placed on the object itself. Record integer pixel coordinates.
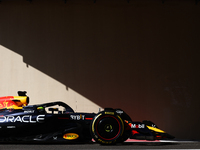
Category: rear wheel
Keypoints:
(107, 127)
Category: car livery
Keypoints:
(20, 122)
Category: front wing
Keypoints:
(147, 130)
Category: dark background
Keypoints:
(141, 56)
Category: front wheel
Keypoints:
(107, 127)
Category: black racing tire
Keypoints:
(107, 127)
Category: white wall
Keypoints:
(16, 75)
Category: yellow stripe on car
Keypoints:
(155, 129)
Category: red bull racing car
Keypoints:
(57, 122)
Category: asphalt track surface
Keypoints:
(127, 145)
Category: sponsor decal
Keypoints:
(105, 142)
(153, 125)
(138, 126)
(110, 113)
(70, 136)
(119, 112)
(29, 111)
(24, 119)
(77, 117)
(10, 127)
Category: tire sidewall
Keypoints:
(95, 121)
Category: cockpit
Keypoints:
(50, 108)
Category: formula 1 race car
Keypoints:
(47, 123)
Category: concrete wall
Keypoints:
(18, 76)
(139, 56)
